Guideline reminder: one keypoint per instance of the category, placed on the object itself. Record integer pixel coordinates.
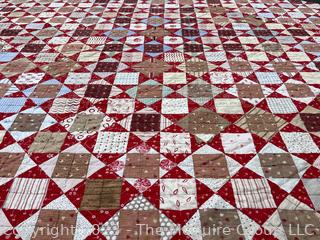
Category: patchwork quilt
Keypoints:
(159, 119)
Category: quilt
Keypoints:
(159, 119)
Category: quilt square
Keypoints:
(111, 142)
(60, 67)
(268, 78)
(196, 67)
(240, 66)
(11, 105)
(189, 32)
(250, 91)
(106, 67)
(257, 57)
(216, 56)
(82, 33)
(178, 194)
(278, 165)
(131, 230)
(210, 166)
(203, 121)
(98, 91)
(149, 91)
(26, 194)
(238, 143)
(113, 47)
(65, 105)
(232, 47)
(25, 122)
(297, 221)
(281, 105)
(46, 57)
(299, 90)
(85, 122)
(78, 78)
(71, 165)
(142, 165)
(132, 57)
(272, 47)
(10, 163)
(121, 106)
(174, 57)
(221, 78)
(174, 105)
(174, 78)
(145, 122)
(311, 121)
(126, 78)
(33, 48)
(17, 67)
(228, 106)
(223, 218)
(193, 47)
(200, 91)
(175, 142)
(101, 194)
(252, 193)
(47, 142)
(90, 56)
(57, 223)
(286, 67)
(299, 142)
(153, 48)
(46, 91)
(262, 123)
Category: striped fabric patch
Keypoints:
(26, 193)
(252, 193)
